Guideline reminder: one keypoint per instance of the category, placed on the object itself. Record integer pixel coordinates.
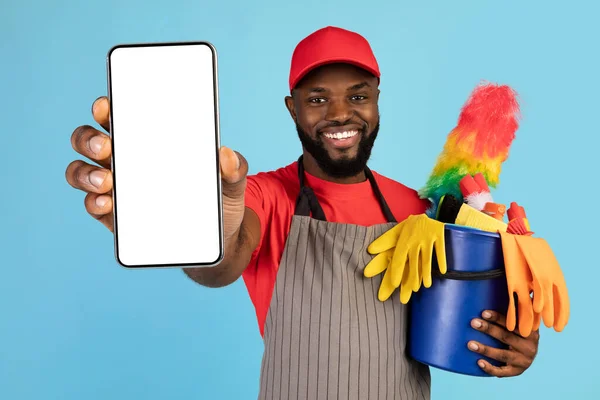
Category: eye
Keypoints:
(358, 97)
(316, 100)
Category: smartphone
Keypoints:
(164, 128)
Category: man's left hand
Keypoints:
(520, 354)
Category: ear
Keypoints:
(289, 104)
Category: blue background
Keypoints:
(75, 325)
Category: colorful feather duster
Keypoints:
(479, 143)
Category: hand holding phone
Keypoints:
(152, 237)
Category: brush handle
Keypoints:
(481, 182)
(468, 186)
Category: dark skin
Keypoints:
(334, 97)
(520, 355)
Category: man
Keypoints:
(298, 237)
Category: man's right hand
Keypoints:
(94, 180)
(97, 183)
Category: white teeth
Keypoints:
(341, 135)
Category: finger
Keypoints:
(500, 333)
(440, 252)
(234, 169)
(101, 112)
(386, 288)
(92, 144)
(520, 344)
(405, 288)
(378, 264)
(426, 260)
(525, 316)
(405, 294)
(502, 321)
(548, 311)
(89, 178)
(537, 321)
(508, 357)
(524, 325)
(538, 295)
(500, 372)
(100, 207)
(399, 263)
(413, 268)
(561, 308)
(387, 240)
(418, 282)
(511, 314)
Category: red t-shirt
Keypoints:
(272, 196)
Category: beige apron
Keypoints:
(326, 334)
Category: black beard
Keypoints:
(344, 167)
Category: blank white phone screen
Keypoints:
(164, 127)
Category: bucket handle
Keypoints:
(469, 276)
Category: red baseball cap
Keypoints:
(331, 45)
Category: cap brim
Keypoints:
(335, 60)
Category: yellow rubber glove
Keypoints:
(405, 252)
(550, 295)
(381, 263)
(519, 282)
(377, 265)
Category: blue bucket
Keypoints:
(440, 316)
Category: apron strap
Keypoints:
(307, 203)
(384, 206)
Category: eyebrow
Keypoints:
(359, 86)
(351, 88)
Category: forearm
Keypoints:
(237, 253)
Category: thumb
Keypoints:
(234, 169)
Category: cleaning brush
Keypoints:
(479, 143)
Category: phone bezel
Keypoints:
(217, 147)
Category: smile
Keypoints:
(341, 135)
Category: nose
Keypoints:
(339, 111)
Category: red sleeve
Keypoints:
(258, 202)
